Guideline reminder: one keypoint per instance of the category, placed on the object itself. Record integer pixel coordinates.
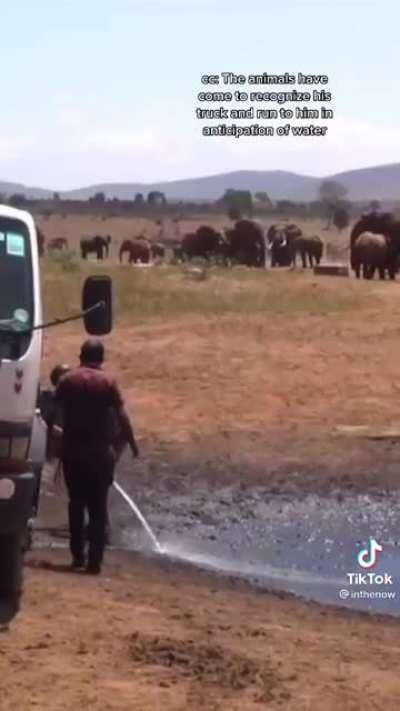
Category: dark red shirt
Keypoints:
(87, 397)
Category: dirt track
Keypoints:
(147, 637)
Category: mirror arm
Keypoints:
(58, 321)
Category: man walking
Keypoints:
(91, 403)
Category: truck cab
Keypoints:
(21, 434)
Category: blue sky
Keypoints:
(97, 91)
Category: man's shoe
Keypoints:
(93, 569)
(78, 564)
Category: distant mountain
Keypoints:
(278, 184)
(380, 182)
(33, 193)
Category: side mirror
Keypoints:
(98, 290)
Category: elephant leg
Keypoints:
(381, 272)
(357, 269)
(304, 259)
(370, 271)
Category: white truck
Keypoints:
(22, 442)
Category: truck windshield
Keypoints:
(16, 288)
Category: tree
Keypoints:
(240, 201)
(56, 197)
(285, 207)
(98, 199)
(263, 198)
(331, 192)
(138, 199)
(17, 199)
(155, 197)
(341, 218)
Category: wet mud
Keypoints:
(303, 544)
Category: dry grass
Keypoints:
(164, 291)
(250, 368)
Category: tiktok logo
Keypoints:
(367, 557)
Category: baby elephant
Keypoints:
(310, 248)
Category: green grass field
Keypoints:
(167, 291)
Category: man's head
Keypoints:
(92, 352)
(57, 373)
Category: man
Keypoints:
(46, 405)
(91, 404)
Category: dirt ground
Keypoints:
(241, 378)
(149, 636)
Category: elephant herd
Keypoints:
(243, 244)
(374, 246)
(97, 245)
(246, 244)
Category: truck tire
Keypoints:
(10, 566)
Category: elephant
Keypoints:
(380, 223)
(57, 243)
(308, 247)
(246, 244)
(97, 245)
(157, 250)
(371, 251)
(139, 251)
(205, 242)
(280, 240)
(279, 247)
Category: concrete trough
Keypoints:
(332, 270)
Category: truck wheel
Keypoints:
(10, 565)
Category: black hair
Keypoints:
(92, 351)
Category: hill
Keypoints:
(379, 182)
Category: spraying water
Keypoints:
(156, 545)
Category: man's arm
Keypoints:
(54, 430)
(127, 429)
(124, 420)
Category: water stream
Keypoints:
(138, 513)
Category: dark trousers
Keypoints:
(88, 483)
